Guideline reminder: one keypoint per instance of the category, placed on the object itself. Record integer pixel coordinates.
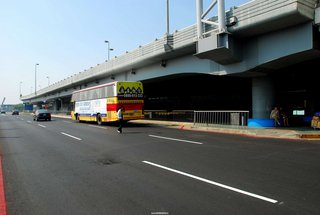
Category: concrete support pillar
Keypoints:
(61, 109)
(56, 105)
(263, 97)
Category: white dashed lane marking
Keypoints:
(68, 135)
(174, 139)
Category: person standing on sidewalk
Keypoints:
(120, 118)
(284, 121)
(275, 116)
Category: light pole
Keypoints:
(109, 49)
(167, 15)
(35, 78)
(48, 80)
(20, 88)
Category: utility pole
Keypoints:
(20, 88)
(35, 78)
(168, 30)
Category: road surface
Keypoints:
(64, 167)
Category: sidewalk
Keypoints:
(282, 133)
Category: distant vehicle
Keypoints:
(15, 112)
(3, 111)
(42, 114)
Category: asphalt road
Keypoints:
(64, 167)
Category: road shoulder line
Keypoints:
(3, 207)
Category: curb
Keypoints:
(289, 135)
(309, 136)
(245, 133)
(3, 207)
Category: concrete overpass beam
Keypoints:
(221, 48)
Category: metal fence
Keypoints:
(235, 118)
(174, 115)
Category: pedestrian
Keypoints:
(283, 117)
(275, 116)
(120, 118)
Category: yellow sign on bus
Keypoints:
(130, 89)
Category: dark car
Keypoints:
(15, 112)
(42, 114)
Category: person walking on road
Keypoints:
(120, 118)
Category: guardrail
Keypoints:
(231, 118)
(174, 115)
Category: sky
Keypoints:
(66, 37)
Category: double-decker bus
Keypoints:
(101, 103)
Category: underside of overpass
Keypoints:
(295, 88)
(198, 92)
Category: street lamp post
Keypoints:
(167, 14)
(20, 88)
(35, 78)
(109, 49)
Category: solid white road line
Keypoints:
(43, 126)
(213, 183)
(28, 121)
(77, 138)
(180, 140)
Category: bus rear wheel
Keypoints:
(99, 120)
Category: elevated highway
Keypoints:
(254, 40)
